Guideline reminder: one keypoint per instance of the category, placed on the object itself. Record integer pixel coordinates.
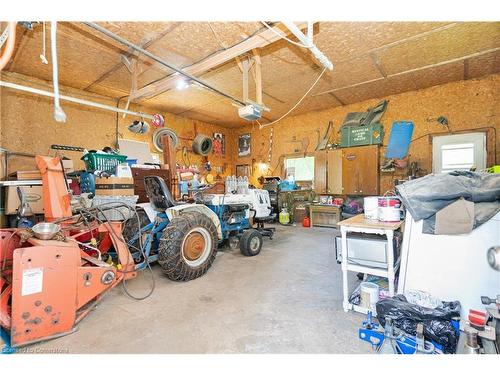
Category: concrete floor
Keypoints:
(288, 299)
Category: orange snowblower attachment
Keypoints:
(48, 286)
(56, 198)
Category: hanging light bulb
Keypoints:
(181, 84)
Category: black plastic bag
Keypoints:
(437, 322)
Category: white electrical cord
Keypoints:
(43, 54)
(59, 114)
(261, 126)
(284, 37)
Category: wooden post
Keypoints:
(132, 67)
(246, 67)
(258, 77)
(169, 160)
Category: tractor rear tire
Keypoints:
(131, 228)
(188, 246)
(251, 242)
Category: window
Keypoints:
(458, 152)
(301, 168)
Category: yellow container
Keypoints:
(284, 217)
(494, 169)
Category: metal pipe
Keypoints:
(305, 40)
(161, 61)
(59, 114)
(73, 100)
(310, 31)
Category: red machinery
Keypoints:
(48, 286)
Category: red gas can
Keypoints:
(306, 222)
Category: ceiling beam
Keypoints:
(20, 43)
(378, 64)
(342, 103)
(458, 59)
(258, 40)
(130, 54)
(466, 69)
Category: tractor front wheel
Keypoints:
(188, 246)
(251, 242)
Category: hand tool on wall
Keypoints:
(324, 142)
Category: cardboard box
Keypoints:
(114, 186)
(26, 175)
(3, 219)
(34, 196)
(3, 171)
(68, 165)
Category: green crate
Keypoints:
(102, 162)
(362, 135)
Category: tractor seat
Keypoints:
(260, 221)
(158, 193)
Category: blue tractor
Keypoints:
(183, 237)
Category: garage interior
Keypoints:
(250, 187)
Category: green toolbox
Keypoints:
(361, 135)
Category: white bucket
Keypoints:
(389, 209)
(371, 208)
(369, 295)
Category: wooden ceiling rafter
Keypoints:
(257, 76)
(69, 29)
(259, 40)
(398, 42)
(414, 70)
(337, 99)
(130, 53)
(19, 44)
(378, 64)
(466, 69)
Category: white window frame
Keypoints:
(301, 157)
(478, 139)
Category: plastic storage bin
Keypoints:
(112, 213)
(102, 162)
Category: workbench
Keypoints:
(359, 224)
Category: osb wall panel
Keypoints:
(468, 105)
(27, 125)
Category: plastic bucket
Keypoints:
(389, 209)
(371, 208)
(369, 294)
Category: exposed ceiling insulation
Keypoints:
(370, 60)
